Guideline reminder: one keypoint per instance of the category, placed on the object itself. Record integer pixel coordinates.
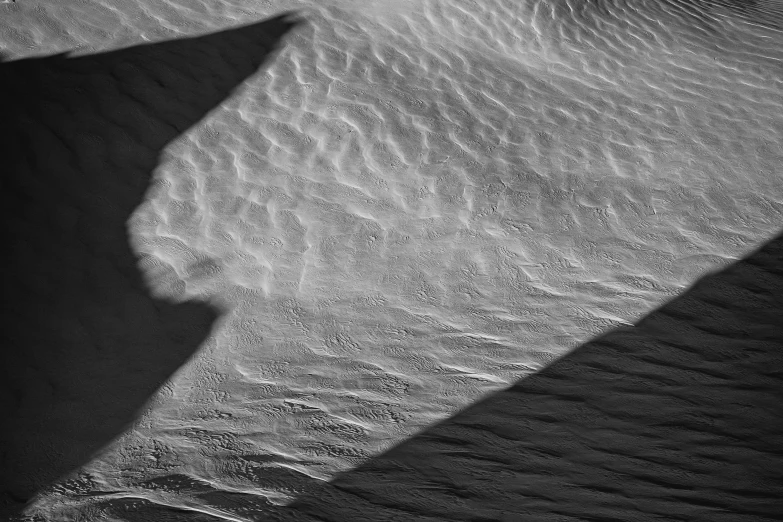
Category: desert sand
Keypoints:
(392, 260)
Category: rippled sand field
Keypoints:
(249, 259)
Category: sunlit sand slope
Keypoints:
(675, 418)
(415, 205)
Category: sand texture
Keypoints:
(441, 260)
(675, 418)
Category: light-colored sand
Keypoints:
(675, 418)
(406, 208)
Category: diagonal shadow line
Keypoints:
(679, 417)
(84, 345)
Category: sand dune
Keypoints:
(407, 208)
(85, 346)
(675, 418)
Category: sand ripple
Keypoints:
(415, 206)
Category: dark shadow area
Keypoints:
(679, 417)
(84, 345)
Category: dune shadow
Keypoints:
(678, 417)
(84, 344)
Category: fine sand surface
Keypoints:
(441, 260)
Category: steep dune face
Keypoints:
(84, 344)
(417, 205)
